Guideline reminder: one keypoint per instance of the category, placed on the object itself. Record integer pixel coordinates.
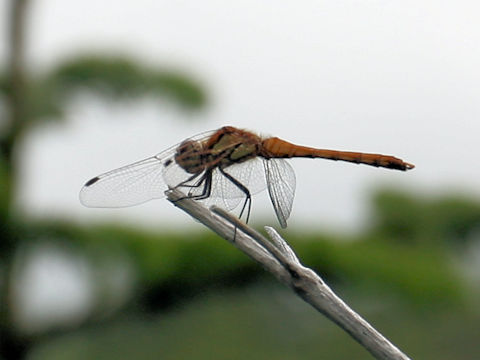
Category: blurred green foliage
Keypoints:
(411, 290)
(268, 322)
(411, 218)
(110, 76)
(121, 77)
(172, 265)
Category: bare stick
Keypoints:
(276, 256)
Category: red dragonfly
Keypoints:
(220, 167)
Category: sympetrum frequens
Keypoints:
(221, 167)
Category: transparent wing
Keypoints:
(225, 193)
(129, 185)
(281, 187)
(136, 183)
(250, 173)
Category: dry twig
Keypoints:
(276, 256)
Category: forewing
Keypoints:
(138, 182)
(129, 185)
(281, 187)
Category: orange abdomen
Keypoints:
(278, 148)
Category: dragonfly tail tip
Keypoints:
(409, 166)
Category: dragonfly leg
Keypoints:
(243, 188)
(205, 181)
(184, 183)
(207, 188)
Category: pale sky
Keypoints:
(393, 77)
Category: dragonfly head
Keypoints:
(189, 156)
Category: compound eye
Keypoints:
(189, 156)
(189, 147)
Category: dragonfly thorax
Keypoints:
(232, 147)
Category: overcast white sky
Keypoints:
(395, 77)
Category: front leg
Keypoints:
(207, 189)
(205, 180)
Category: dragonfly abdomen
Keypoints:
(278, 148)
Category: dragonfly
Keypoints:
(221, 167)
